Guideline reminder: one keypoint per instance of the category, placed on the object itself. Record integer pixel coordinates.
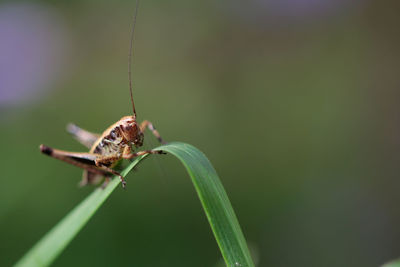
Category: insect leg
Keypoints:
(67, 156)
(104, 161)
(141, 153)
(146, 124)
(109, 170)
(84, 137)
(85, 161)
(82, 160)
(115, 173)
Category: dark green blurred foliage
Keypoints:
(299, 116)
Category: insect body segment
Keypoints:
(117, 137)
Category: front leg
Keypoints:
(104, 162)
(141, 153)
(146, 124)
(115, 173)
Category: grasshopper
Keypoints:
(114, 144)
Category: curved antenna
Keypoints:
(130, 56)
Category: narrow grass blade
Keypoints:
(212, 196)
(57, 239)
(215, 202)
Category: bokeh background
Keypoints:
(295, 103)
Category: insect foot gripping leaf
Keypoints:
(210, 191)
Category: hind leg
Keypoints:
(84, 137)
(85, 161)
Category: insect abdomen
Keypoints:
(109, 144)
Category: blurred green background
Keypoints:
(294, 102)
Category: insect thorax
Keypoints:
(111, 143)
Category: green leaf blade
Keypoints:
(215, 202)
(44, 252)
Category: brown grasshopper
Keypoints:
(114, 144)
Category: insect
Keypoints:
(118, 142)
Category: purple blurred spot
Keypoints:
(30, 52)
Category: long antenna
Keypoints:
(130, 56)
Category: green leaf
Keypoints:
(212, 196)
(56, 240)
(216, 204)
